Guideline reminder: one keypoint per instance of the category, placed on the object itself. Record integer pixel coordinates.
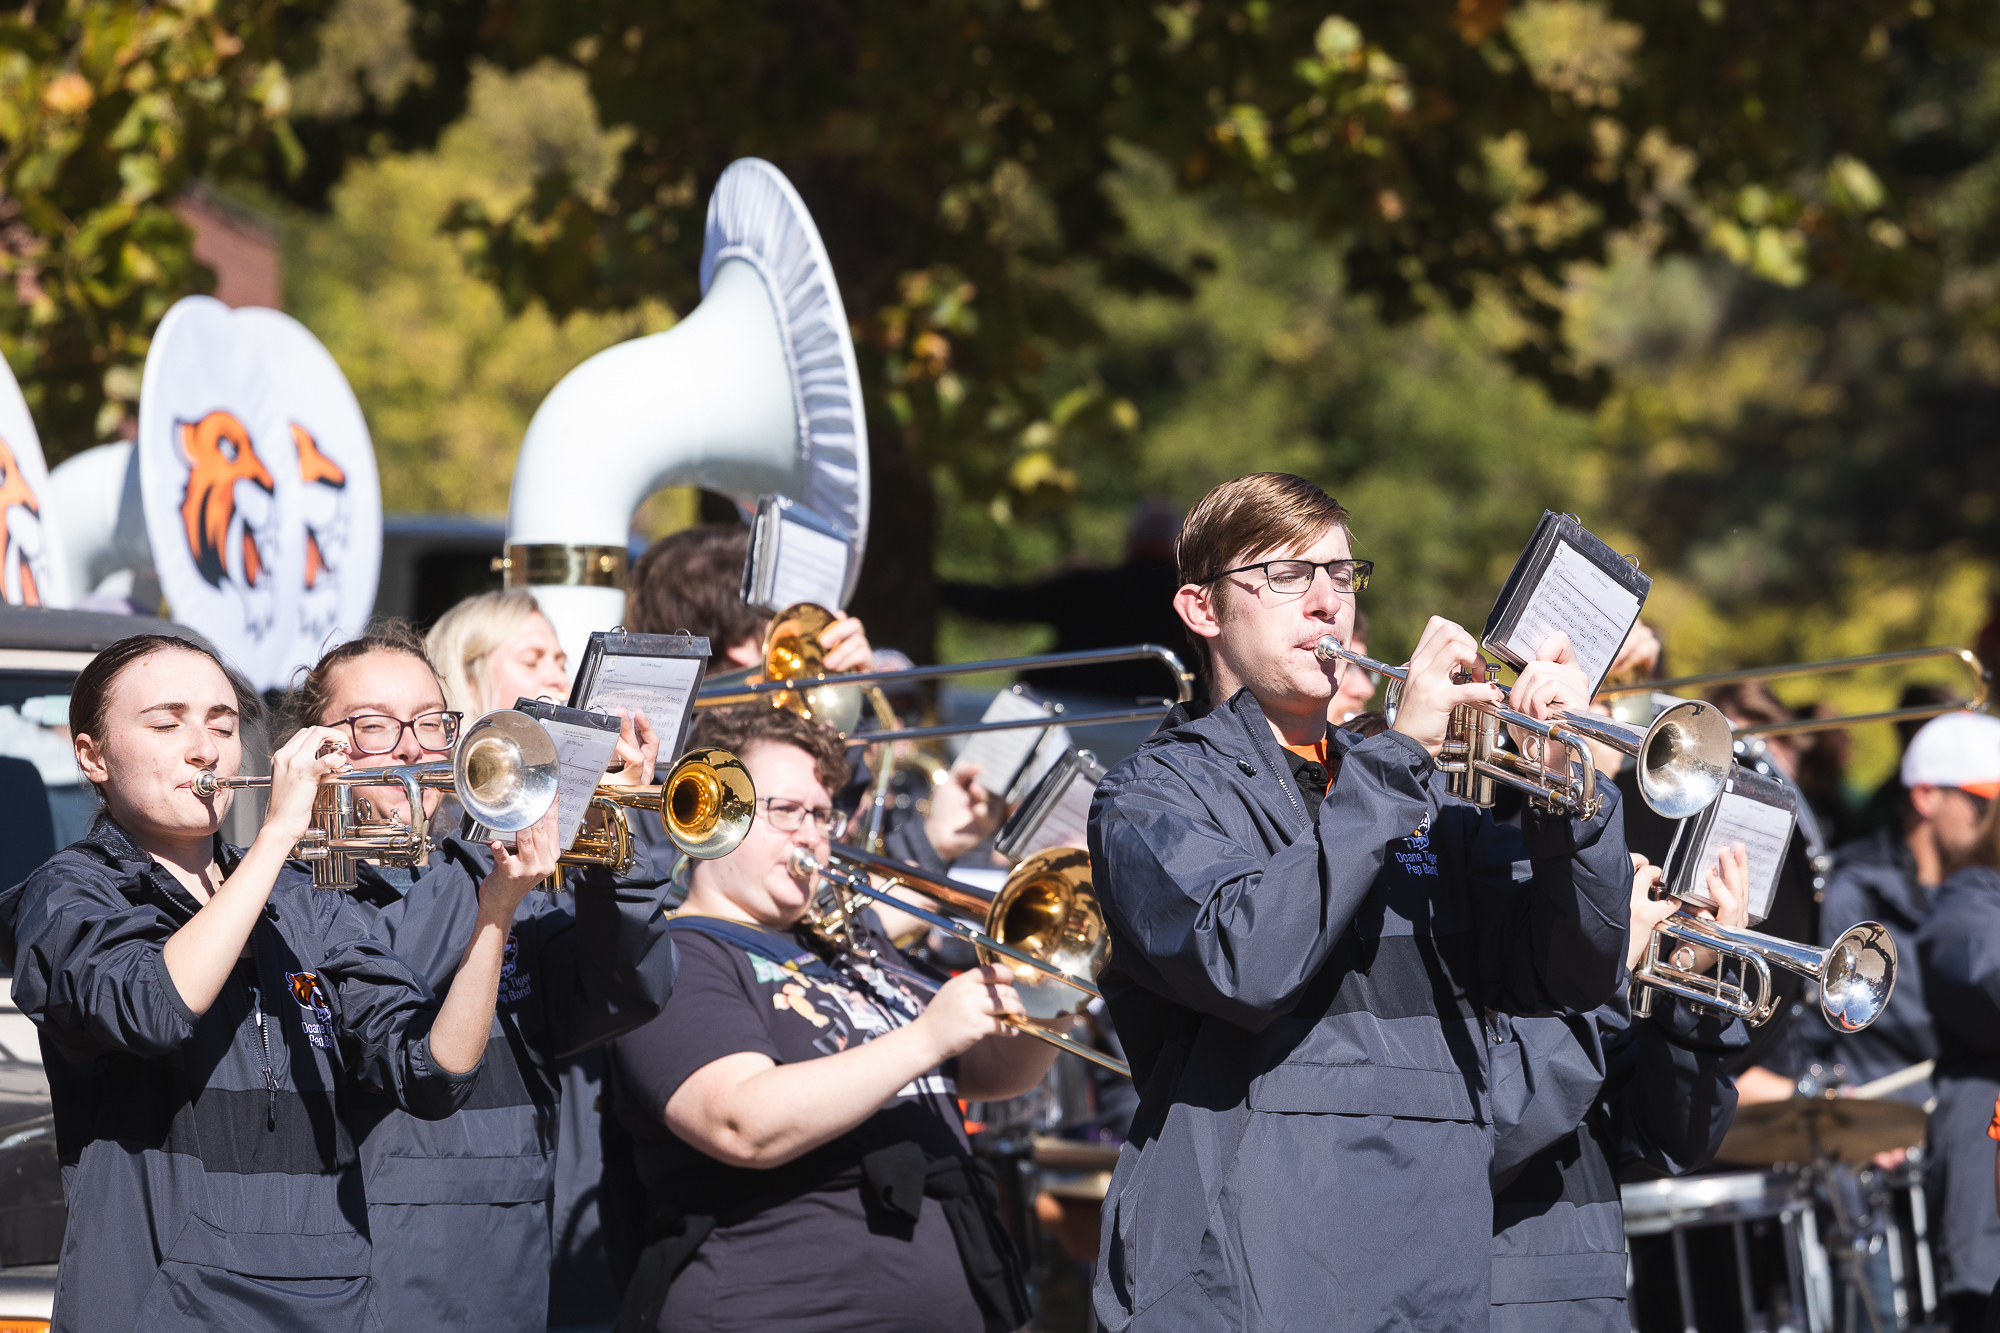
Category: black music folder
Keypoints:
(1057, 812)
(1755, 810)
(796, 555)
(1567, 580)
(657, 673)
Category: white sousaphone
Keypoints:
(755, 391)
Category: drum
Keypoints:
(1735, 1252)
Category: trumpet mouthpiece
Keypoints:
(204, 783)
(1328, 648)
(803, 862)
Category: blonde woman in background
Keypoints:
(495, 648)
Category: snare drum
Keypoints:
(1750, 1236)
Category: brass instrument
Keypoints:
(1044, 923)
(794, 676)
(503, 771)
(1981, 678)
(707, 803)
(1856, 975)
(1683, 754)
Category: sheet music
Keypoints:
(1577, 598)
(1001, 754)
(810, 566)
(1765, 832)
(659, 686)
(1054, 745)
(1067, 824)
(583, 752)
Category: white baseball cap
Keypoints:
(1960, 749)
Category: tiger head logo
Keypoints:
(228, 512)
(305, 990)
(325, 504)
(20, 534)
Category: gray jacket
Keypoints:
(1582, 1102)
(211, 1176)
(1958, 951)
(460, 1211)
(1875, 879)
(1302, 994)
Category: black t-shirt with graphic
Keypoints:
(821, 1261)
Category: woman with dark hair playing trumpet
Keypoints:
(205, 1016)
(460, 1212)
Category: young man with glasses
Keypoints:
(795, 1107)
(459, 1211)
(1307, 936)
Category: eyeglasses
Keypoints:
(378, 733)
(1291, 577)
(788, 816)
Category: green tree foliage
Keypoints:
(957, 158)
(108, 111)
(447, 376)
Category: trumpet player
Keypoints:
(795, 1108)
(205, 1018)
(460, 1213)
(1581, 1099)
(1306, 933)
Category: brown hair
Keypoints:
(1750, 703)
(735, 729)
(693, 580)
(1266, 511)
(314, 694)
(90, 693)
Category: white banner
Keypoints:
(262, 504)
(32, 571)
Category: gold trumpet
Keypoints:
(1856, 975)
(707, 803)
(1044, 925)
(503, 771)
(794, 676)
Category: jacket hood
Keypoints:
(1882, 861)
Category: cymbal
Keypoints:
(1846, 1128)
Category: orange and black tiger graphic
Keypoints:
(315, 468)
(17, 566)
(315, 1013)
(220, 454)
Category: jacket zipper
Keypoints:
(264, 1038)
(1277, 770)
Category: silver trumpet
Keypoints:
(1856, 975)
(1684, 753)
(503, 771)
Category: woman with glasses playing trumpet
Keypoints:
(460, 1213)
(206, 1017)
(795, 1110)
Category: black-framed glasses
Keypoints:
(789, 816)
(1291, 577)
(378, 733)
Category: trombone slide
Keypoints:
(805, 863)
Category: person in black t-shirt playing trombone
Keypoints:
(795, 1109)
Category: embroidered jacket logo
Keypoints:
(515, 982)
(314, 1012)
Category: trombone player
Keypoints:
(1307, 934)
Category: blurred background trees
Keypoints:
(1718, 277)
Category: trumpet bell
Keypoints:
(708, 803)
(1858, 976)
(1684, 758)
(1048, 911)
(505, 771)
(791, 652)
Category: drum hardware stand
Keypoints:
(1835, 1180)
